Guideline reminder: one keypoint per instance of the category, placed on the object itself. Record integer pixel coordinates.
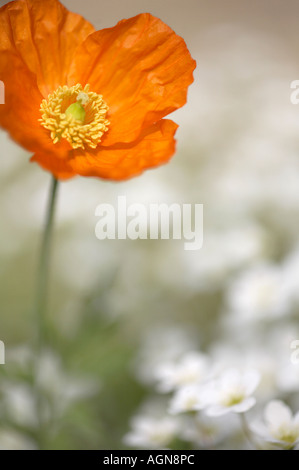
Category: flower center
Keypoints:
(289, 434)
(233, 398)
(75, 114)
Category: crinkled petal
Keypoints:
(154, 147)
(20, 113)
(37, 42)
(44, 36)
(142, 69)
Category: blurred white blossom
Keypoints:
(151, 433)
(258, 294)
(240, 354)
(188, 398)
(281, 428)
(207, 432)
(232, 392)
(192, 368)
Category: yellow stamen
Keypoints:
(75, 114)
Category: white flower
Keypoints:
(188, 398)
(151, 432)
(192, 368)
(258, 294)
(239, 355)
(232, 392)
(282, 428)
(206, 431)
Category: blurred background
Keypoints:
(118, 310)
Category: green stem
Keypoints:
(43, 269)
(40, 311)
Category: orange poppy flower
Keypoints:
(89, 102)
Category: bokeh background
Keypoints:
(118, 310)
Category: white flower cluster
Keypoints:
(243, 284)
(200, 396)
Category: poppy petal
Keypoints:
(155, 146)
(44, 35)
(142, 69)
(37, 42)
(57, 166)
(20, 113)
